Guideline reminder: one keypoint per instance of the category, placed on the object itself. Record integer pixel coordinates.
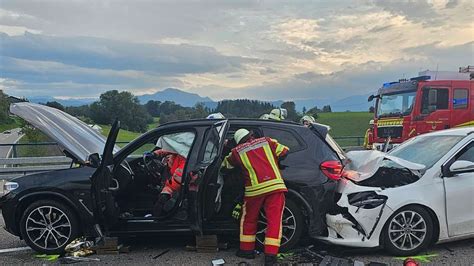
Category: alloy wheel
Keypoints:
(288, 226)
(407, 230)
(48, 227)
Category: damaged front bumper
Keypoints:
(359, 217)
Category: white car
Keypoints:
(420, 193)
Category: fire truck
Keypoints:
(434, 100)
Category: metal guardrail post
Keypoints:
(15, 152)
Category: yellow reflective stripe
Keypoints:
(271, 160)
(265, 184)
(265, 190)
(248, 166)
(247, 238)
(279, 149)
(226, 163)
(272, 241)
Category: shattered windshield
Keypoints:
(396, 104)
(426, 150)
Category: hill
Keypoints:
(180, 97)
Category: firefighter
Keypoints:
(175, 165)
(307, 120)
(258, 159)
(369, 135)
(278, 114)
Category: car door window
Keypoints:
(434, 99)
(467, 154)
(180, 143)
(284, 137)
(214, 137)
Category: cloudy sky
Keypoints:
(227, 49)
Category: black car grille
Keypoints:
(394, 132)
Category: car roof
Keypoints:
(246, 121)
(461, 131)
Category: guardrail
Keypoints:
(10, 167)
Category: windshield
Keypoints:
(426, 150)
(396, 104)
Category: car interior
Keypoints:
(141, 176)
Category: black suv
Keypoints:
(113, 194)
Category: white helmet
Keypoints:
(215, 116)
(240, 134)
(307, 118)
(278, 114)
(265, 116)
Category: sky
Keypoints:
(268, 50)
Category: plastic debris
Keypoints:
(47, 257)
(422, 258)
(71, 260)
(161, 254)
(218, 262)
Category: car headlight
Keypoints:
(7, 187)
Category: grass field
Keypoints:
(13, 124)
(346, 124)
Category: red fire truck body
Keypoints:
(412, 107)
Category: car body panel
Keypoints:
(79, 139)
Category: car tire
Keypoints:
(408, 231)
(47, 226)
(293, 227)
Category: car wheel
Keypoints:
(48, 226)
(292, 226)
(408, 231)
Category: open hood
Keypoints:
(72, 134)
(366, 163)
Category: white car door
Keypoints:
(459, 189)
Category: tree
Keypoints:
(313, 112)
(304, 109)
(327, 109)
(4, 107)
(153, 108)
(122, 105)
(55, 104)
(291, 109)
(371, 109)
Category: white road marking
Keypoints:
(8, 250)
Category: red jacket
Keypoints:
(258, 160)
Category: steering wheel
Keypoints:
(153, 165)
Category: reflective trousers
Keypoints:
(273, 205)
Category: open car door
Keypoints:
(106, 211)
(208, 185)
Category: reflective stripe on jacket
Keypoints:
(258, 160)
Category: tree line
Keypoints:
(135, 116)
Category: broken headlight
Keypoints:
(7, 186)
(366, 199)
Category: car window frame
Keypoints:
(298, 138)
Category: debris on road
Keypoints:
(422, 258)
(71, 260)
(47, 257)
(161, 254)
(218, 262)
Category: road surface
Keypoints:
(144, 251)
(8, 139)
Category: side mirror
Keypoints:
(94, 160)
(432, 97)
(461, 166)
(371, 98)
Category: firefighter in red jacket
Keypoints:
(257, 159)
(175, 165)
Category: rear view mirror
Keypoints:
(94, 160)
(371, 98)
(461, 166)
(432, 97)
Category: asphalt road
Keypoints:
(8, 139)
(144, 251)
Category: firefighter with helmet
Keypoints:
(277, 114)
(369, 135)
(257, 159)
(307, 120)
(215, 116)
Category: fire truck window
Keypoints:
(434, 99)
(460, 98)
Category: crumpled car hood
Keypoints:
(366, 163)
(72, 134)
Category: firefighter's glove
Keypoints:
(237, 211)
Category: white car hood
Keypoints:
(72, 134)
(366, 163)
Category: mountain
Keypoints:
(178, 96)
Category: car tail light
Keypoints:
(332, 169)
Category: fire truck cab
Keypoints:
(433, 101)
